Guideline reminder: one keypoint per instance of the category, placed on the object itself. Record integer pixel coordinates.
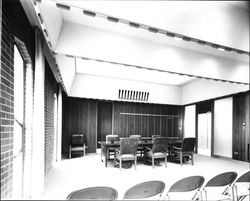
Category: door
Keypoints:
(204, 134)
(18, 125)
(104, 121)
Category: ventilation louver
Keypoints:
(133, 95)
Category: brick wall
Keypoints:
(50, 90)
(14, 24)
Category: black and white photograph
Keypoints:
(125, 100)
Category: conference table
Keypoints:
(144, 142)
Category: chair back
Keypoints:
(244, 178)
(94, 193)
(223, 179)
(187, 184)
(145, 190)
(77, 140)
(135, 136)
(110, 138)
(128, 146)
(155, 136)
(160, 145)
(188, 144)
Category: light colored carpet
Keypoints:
(82, 172)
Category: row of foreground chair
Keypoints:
(154, 189)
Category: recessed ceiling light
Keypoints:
(112, 19)
(135, 25)
(62, 6)
(152, 30)
(89, 13)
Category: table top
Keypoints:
(141, 142)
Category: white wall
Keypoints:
(189, 121)
(67, 69)
(207, 89)
(223, 119)
(88, 86)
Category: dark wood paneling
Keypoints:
(104, 120)
(241, 127)
(79, 116)
(125, 125)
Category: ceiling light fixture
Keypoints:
(170, 34)
(152, 30)
(89, 13)
(186, 38)
(112, 19)
(135, 25)
(201, 42)
(62, 6)
(40, 18)
(46, 33)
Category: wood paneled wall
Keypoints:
(241, 123)
(146, 125)
(98, 118)
(79, 116)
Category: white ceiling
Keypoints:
(72, 33)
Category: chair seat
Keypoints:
(156, 155)
(125, 157)
(78, 148)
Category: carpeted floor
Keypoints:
(82, 172)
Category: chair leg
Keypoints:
(135, 162)
(192, 159)
(166, 160)
(181, 158)
(120, 163)
(153, 161)
(84, 151)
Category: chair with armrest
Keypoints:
(77, 144)
(242, 187)
(158, 150)
(127, 151)
(112, 139)
(185, 151)
(155, 136)
(217, 187)
(188, 185)
(150, 189)
(140, 149)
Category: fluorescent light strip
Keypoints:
(62, 6)
(112, 19)
(135, 25)
(154, 30)
(153, 69)
(89, 13)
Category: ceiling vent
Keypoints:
(124, 94)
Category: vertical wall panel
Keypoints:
(79, 116)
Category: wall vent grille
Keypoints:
(125, 94)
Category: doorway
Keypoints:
(204, 133)
(18, 137)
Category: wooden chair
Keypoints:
(190, 184)
(185, 151)
(159, 150)
(94, 193)
(77, 144)
(148, 189)
(127, 151)
(112, 138)
(222, 182)
(140, 149)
